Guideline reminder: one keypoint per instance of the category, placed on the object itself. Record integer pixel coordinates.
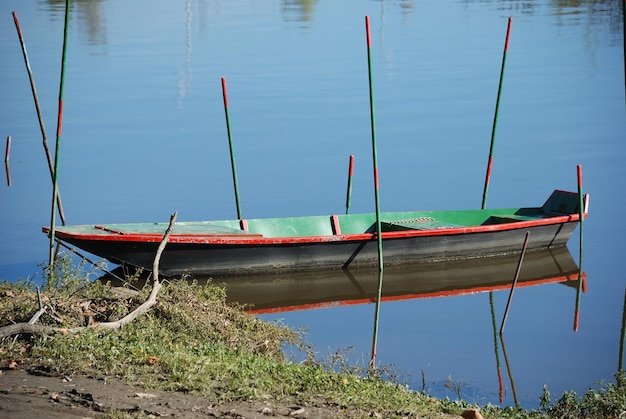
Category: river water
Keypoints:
(144, 135)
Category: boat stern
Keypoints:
(565, 203)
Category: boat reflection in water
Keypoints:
(313, 290)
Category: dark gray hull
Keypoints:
(202, 259)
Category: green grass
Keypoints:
(192, 341)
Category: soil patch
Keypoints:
(29, 394)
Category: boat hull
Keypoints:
(240, 258)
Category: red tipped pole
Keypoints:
(55, 177)
(349, 190)
(495, 117)
(581, 216)
(487, 179)
(376, 194)
(230, 146)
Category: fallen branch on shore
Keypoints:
(32, 328)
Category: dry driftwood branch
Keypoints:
(30, 328)
(156, 285)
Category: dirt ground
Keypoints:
(26, 394)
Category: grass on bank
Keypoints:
(192, 341)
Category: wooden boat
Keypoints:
(250, 246)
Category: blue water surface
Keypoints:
(144, 135)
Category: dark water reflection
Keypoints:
(346, 287)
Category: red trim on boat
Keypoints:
(259, 239)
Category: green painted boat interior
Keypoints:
(322, 225)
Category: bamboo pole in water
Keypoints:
(376, 194)
(581, 216)
(55, 177)
(230, 146)
(349, 190)
(495, 118)
(42, 126)
(486, 187)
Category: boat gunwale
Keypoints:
(256, 239)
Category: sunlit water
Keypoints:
(144, 135)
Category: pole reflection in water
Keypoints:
(508, 369)
(495, 348)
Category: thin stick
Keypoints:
(581, 216)
(230, 146)
(7, 155)
(349, 190)
(495, 117)
(7, 152)
(42, 126)
(620, 363)
(376, 194)
(517, 271)
(55, 177)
